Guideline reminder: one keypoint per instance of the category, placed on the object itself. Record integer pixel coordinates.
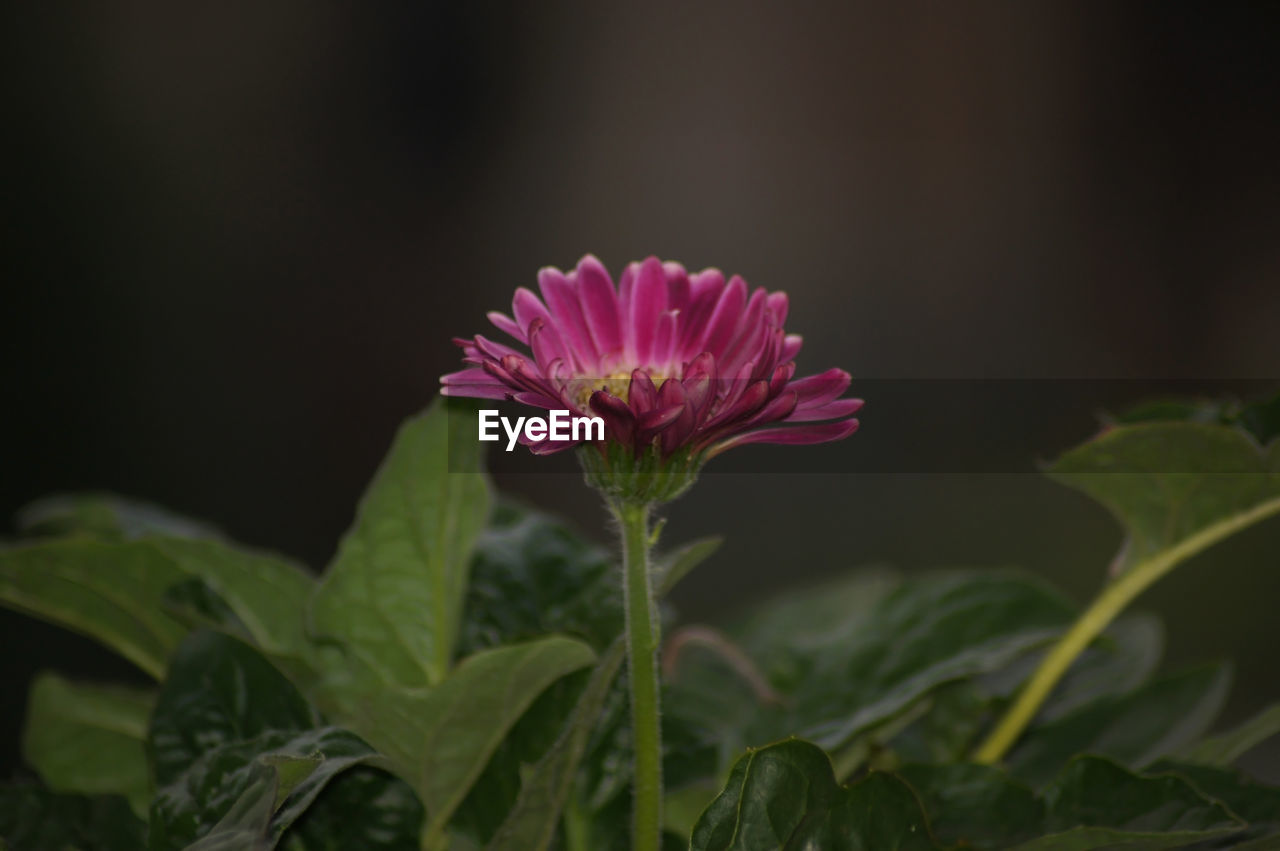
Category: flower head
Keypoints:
(677, 365)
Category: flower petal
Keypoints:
(546, 344)
(790, 436)
(819, 389)
(641, 395)
(677, 285)
(474, 383)
(600, 306)
(526, 307)
(839, 409)
(778, 409)
(648, 302)
(507, 325)
(566, 310)
(705, 289)
(618, 418)
(724, 318)
(777, 307)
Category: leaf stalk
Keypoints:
(1100, 613)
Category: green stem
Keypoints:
(1096, 618)
(642, 649)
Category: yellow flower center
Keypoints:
(615, 384)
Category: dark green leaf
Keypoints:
(531, 576)
(471, 711)
(784, 796)
(1095, 803)
(785, 634)
(245, 825)
(35, 818)
(108, 517)
(711, 684)
(1226, 748)
(1254, 802)
(1175, 484)
(1137, 728)
(925, 633)
(111, 592)
(495, 791)
(89, 739)
(219, 690)
(532, 821)
(976, 805)
(945, 731)
(393, 596)
(1128, 652)
(252, 790)
(362, 808)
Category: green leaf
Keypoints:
(531, 823)
(122, 593)
(784, 796)
(194, 603)
(1254, 802)
(671, 568)
(1176, 487)
(108, 517)
(34, 818)
(1226, 748)
(393, 596)
(1092, 804)
(89, 739)
(439, 739)
(253, 790)
(219, 690)
(784, 635)
(1128, 652)
(1137, 728)
(388, 816)
(976, 806)
(111, 592)
(945, 730)
(478, 816)
(267, 593)
(1095, 803)
(245, 824)
(530, 576)
(925, 633)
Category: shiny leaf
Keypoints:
(784, 796)
(219, 691)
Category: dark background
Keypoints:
(239, 237)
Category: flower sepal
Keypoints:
(621, 474)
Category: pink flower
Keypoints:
(670, 361)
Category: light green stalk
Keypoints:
(1113, 599)
(642, 652)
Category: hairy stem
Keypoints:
(642, 648)
(1095, 619)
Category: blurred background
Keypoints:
(239, 237)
